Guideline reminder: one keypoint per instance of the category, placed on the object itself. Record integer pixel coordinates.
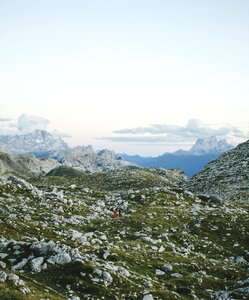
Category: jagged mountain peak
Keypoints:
(210, 145)
(38, 142)
(108, 154)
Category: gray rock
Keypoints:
(3, 276)
(25, 290)
(98, 272)
(20, 265)
(60, 259)
(16, 280)
(36, 264)
(148, 297)
(148, 284)
(167, 267)
(107, 277)
(123, 271)
(161, 249)
(159, 272)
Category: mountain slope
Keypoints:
(59, 240)
(25, 165)
(228, 176)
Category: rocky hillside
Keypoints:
(227, 177)
(59, 239)
(25, 165)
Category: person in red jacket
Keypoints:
(115, 213)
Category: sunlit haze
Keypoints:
(138, 77)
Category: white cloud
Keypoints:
(24, 124)
(167, 133)
(4, 119)
(28, 123)
(57, 133)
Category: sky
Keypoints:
(136, 76)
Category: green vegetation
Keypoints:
(204, 245)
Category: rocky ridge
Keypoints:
(227, 177)
(25, 165)
(84, 158)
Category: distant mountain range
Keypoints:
(191, 161)
(42, 144)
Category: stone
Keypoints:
(107, 277)
(3, 276)
(36, 264)
(148, 297)
(161, 249)
(98, 272)
(20, 265)
(25, 290)
(16, 280)
(167, 267)
(60, 259)
(123, 271)
(159, 272)
(148, 284)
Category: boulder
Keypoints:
(36, 264)
(107, 277)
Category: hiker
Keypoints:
(115, 213)
(120, 212)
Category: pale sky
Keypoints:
(95, 67)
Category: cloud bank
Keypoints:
(4, 119)
(26, 123)
(167, 133)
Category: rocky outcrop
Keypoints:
(86, 159)
(25, 165)
(226, 177)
